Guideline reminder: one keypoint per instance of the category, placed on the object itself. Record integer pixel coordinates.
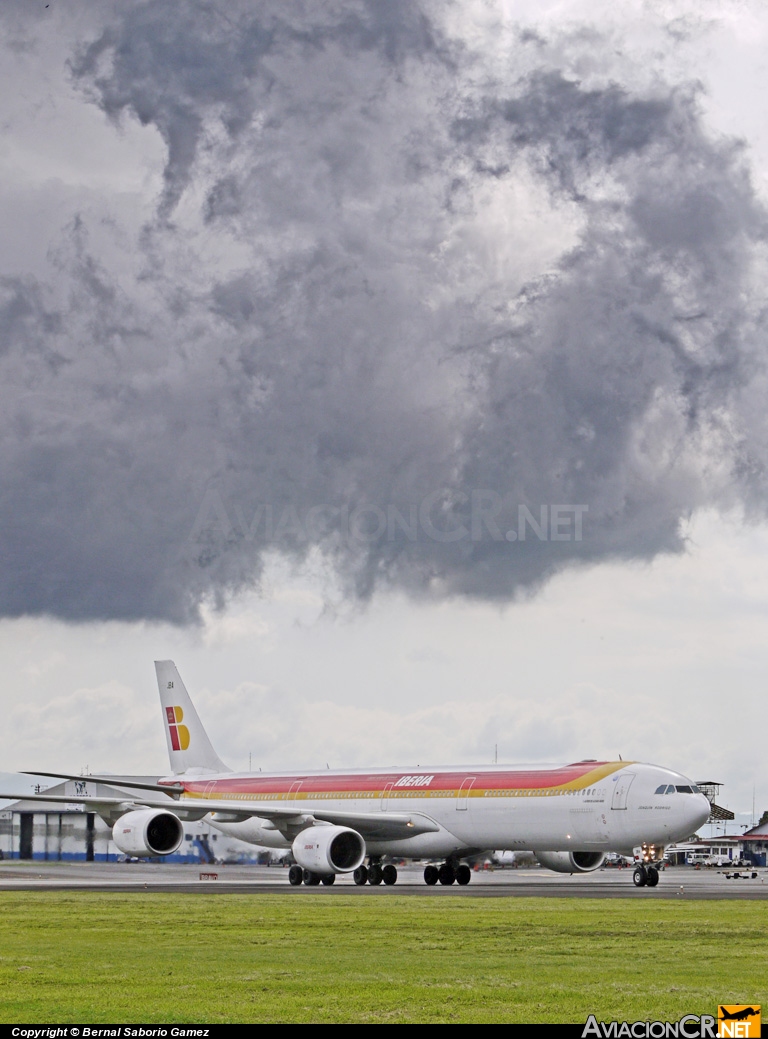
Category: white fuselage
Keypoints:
(587, 806)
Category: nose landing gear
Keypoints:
(646, 873)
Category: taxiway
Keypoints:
(675, 883)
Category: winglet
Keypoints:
(188, 745)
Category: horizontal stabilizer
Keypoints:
(172, 789)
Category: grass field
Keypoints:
(123, 958)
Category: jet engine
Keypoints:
(571, 861)
(148, 831)
(329, 849)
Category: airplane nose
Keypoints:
(700, 811)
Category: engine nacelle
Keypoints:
(571, 861)
(329, 849)
(148, 831)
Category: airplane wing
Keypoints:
(288, 820)
(391, 826)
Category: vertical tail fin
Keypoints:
(188, 745)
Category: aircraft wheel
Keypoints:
(389, 875)
(374, 874)
(446, 874)
(295, 876)
(431, 874)
(328, 879)
(360, 876)
(639, 877)
(311, 879)
(653, 876)
(463, 875)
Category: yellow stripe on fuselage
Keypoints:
(589, 779)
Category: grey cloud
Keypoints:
(170, 65)
(387, 301)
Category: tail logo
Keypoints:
(179, 733)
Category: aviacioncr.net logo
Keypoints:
(734, 1021)
(738, 1021)
(179, 733)
(690, 1026)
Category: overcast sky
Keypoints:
(397, 368)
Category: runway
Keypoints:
(675, 883)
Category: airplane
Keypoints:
(738, 1015)
(346, 821)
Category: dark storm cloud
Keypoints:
(454, 329)
(168, 64)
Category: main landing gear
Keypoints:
(448, 873)
(297, 876)
(375, 874)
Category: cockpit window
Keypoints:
(670, 789)
(683, 790)
(661, 789)
(696, 789)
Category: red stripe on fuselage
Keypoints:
(256, 785)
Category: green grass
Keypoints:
(122, 958)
